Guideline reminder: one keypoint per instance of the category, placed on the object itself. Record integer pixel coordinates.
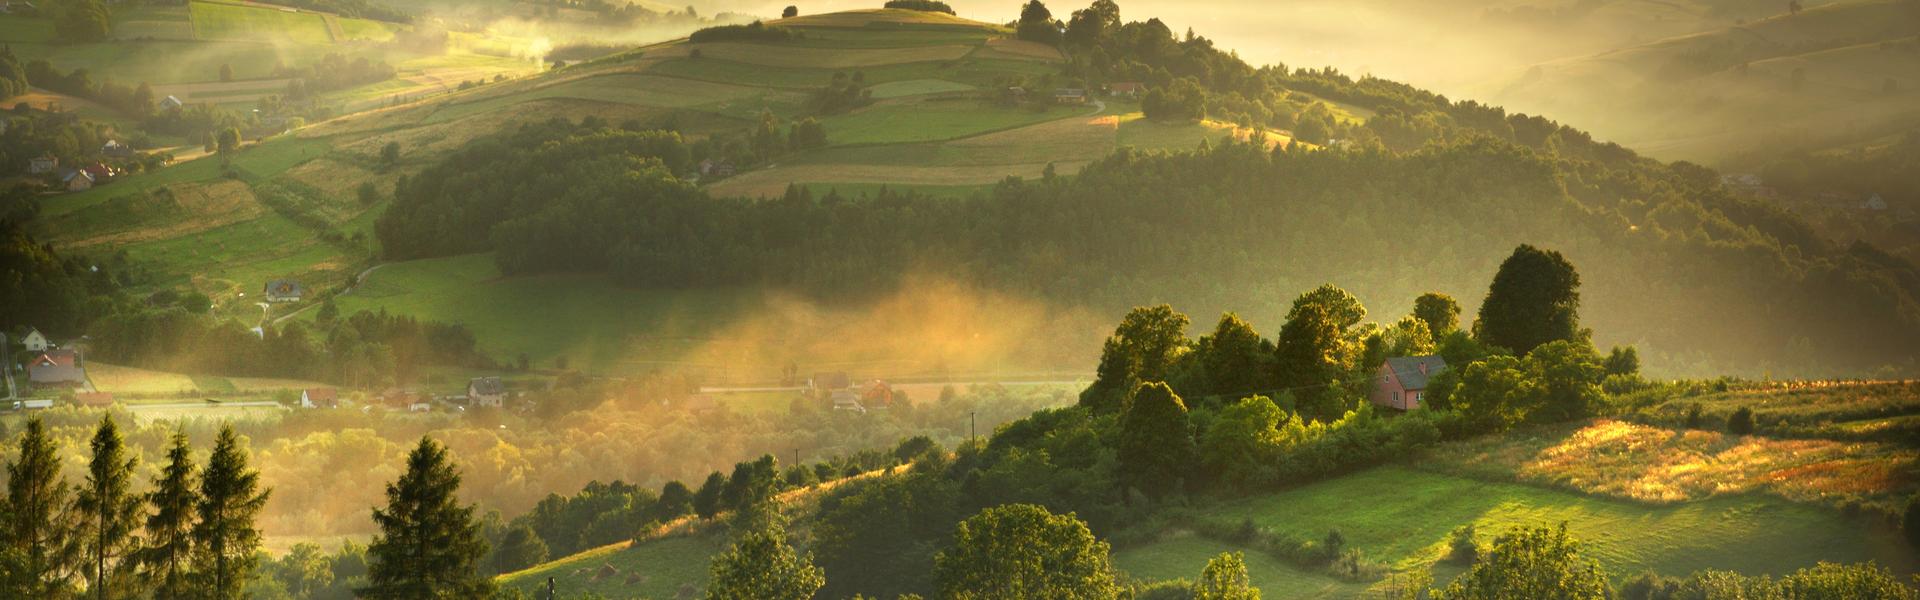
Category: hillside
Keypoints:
(1829, 76)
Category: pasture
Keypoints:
(223, 21)
(907, 121)
(1402, 516)
(1181, 555)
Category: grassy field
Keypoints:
(655, 569)
(223, 21)
(1182, 555)
(1402, 516)
(933, 120)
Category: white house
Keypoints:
(34, 341)
(486, 391)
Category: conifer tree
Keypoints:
(165, 559)
(1156, 440)
(225, 540)
(429, 545)
(43, 556)
(110, 513)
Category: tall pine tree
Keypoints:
(38, 525)
(109, 513)
(225, 539)
(1156, 441)
(429, 545)
(166, 559)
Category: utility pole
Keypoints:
(796, 457)
(971, 432)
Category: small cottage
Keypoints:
(170, 103)
(1401, 382)
(284, 290)
(34, 341)
(486, 391)
(1070, 96)
(319, 398)
(1127, 89)
(115, 149)
(76, 181)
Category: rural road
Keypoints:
(185, 405)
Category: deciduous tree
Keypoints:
(1537, 563)
(1534, 299)
(1225, 578)
(1020, 551)
(1156, 440)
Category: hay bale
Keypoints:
(606, 570)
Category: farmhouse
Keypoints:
(57, 368)
(170, 103)
(486, 391)
(76, 180)
(34, 341)
(717, 168)
(1401, 382)
(319, 398)
(41, 165)
(284, 290)
(100, 172)
(93, 399)
(1128, 89)
(1070, 96)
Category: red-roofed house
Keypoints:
(319, 398)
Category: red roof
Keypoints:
(1125, 87)
(63, 358)
(98, 170)
(322, 394)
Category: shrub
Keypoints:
(751, 32)
(1740, 422)
(921, 5)
(1695, 420)
(1911, 521)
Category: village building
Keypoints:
(319, 398)
(34, 341)
(170, 103)
(284, 290)
(40, 165)
(1127, 89)
(486, 391)
(115, 149)
(76, 180)
(1070, 96)
(57, 368)
(1401, 382)
(93, 399)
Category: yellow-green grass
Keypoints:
(644, 90)
(662, 566)
(254, 162)
(133, 381)
(932, 120)
(26, 29)
(1402, 517)
(849, 189)
(1654, 465)
(1182, 555)
(916, 87)
(222, 21)
(890, 18)
(805, 57)
(863, 37)
(156, 22)
(171, 61)
(977, 72)
(365, 29)
(598, 325)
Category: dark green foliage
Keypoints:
(1439, 311)
(1623, 361)
(390, 154)
(790, 12)
(1531, 563)
(751, 484)
(81, 21)
(13, 77)
(1233, 361)
(226, 541)
(706, 502)
(1142, 349)
(1740, 422)
(36, 525)
(166, 558)
(1156, 441)
(366, 349)
(1021, 551)
(1696, 418)
(1311, 355)
(60, 296)
(1182, 100)
(1534, 299)
(841, 94)
(1462, 548)
(762, 564)
(751, 32)
(429, 545)
(920, 5)
(1036, 24)
(807, 134)
(1910, 522)
(878, 539)
(519, 548)
(109, 514)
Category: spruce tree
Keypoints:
(38, 524)
(1156, 441)
(225, 539)
(165, 560)
(429, 545)
(109, 513)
